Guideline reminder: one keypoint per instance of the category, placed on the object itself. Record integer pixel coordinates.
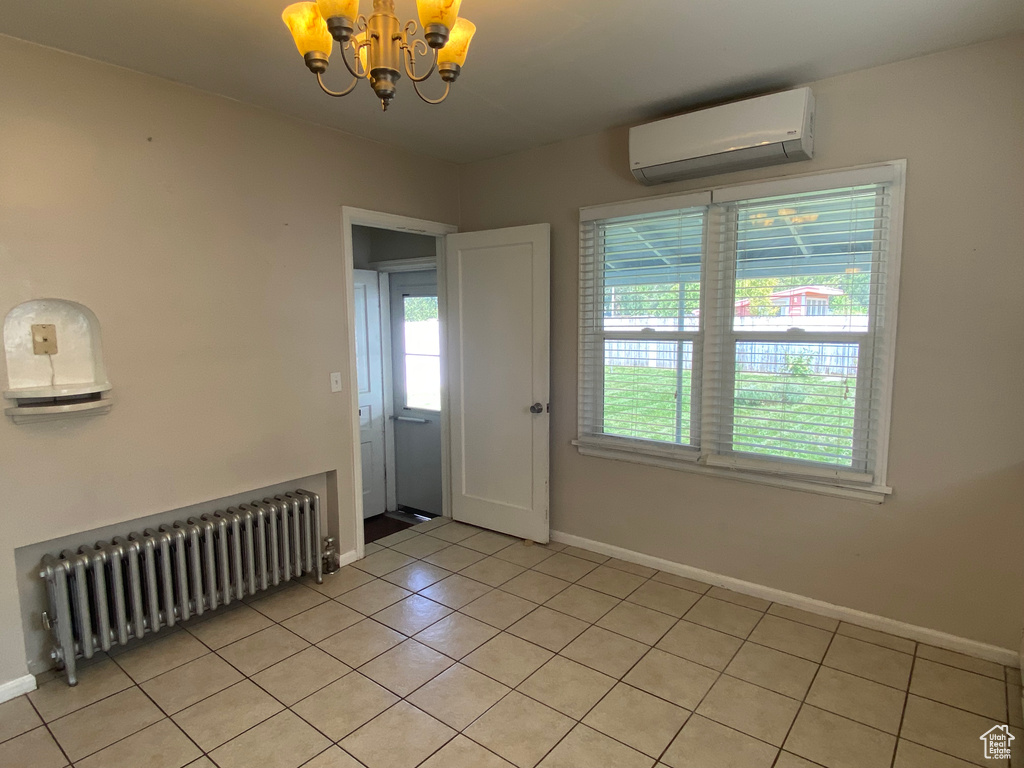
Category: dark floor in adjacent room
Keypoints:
(379, 526)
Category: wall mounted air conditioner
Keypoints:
(765, 130)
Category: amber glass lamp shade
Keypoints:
(349, 9)
(438, 12)
(455, 50)
(308, 28)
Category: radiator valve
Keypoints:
(330, 556)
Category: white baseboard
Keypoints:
(348, 558)
(1005, 656)
(16, 687)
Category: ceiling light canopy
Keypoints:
(383, 46)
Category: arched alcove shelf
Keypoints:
(57, 372)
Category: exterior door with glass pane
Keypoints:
(416, 376)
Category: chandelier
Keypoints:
(382, 47)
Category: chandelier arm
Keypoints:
(410, 28)
(447, 88)
(329, 92)
(355, 60)
(410, 64)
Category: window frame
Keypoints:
(616, 443)
(865, 483)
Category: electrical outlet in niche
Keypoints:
(44, 339)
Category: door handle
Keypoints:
(412, 419)
(536, 408)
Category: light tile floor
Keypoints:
(546, 656)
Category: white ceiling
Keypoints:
(538, 70)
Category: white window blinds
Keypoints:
(640, 326)
(753, 335)
(800, 281)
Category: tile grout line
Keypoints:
(134, 684)
(903, 712)
(803, 700)
(463, 731)
(705, 593)
(951, 706)
(936, 750)
(959, 709)
(541, 703)
(958, 669)
(622, 680)
(140, 730)
(249, 678)
(202, 752)
(46, 725)
(318, 754)
(720, 674)
(245, 677)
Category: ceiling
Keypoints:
(538, 71)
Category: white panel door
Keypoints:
(370, 376)
(498, 317)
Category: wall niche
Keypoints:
(54, 362)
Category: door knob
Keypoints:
(536, 408)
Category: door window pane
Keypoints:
(422, 353)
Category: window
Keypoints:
(648, 323)
(745, 331)
(422, 353)
(817, 306)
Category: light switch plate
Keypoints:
(336, 382)
(44, 339)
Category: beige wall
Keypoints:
(206, 237)
(946, 551)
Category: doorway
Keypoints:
(493, 314)
(399, 363)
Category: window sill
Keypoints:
(874, 494)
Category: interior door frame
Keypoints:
(365, 218)
(390, 485)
